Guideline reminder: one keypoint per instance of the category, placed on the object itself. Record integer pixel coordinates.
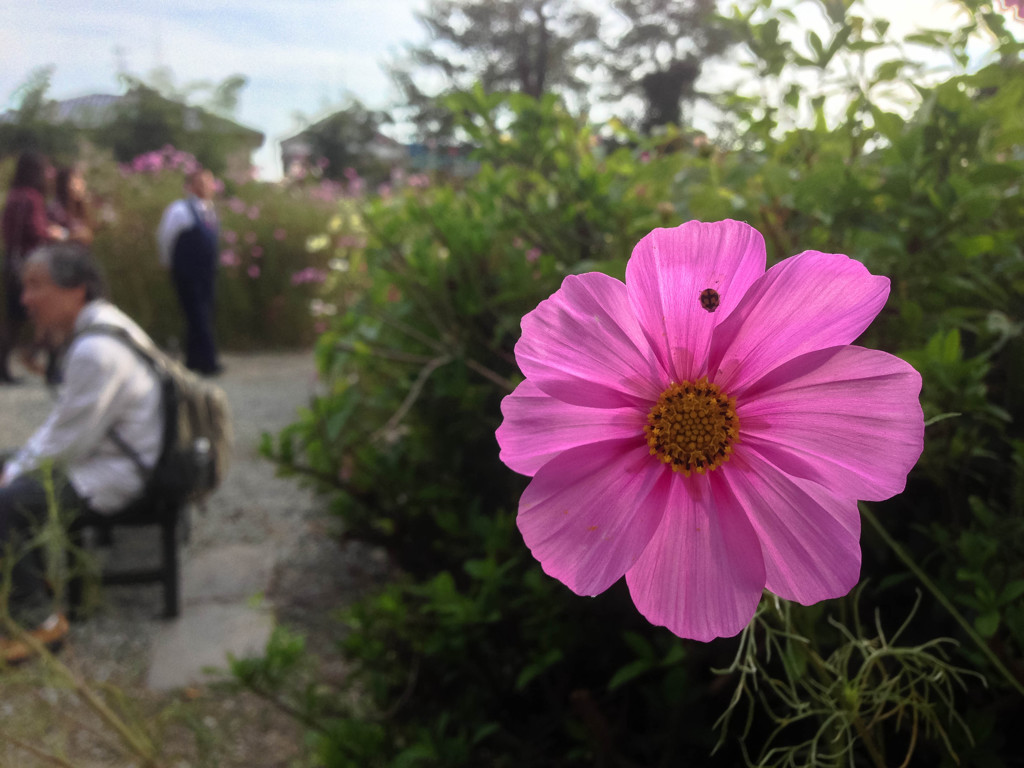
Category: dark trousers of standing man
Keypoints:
(194, 270)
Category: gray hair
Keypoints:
(71, 265)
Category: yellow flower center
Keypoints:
(693, 427)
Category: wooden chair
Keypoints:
(169, 515)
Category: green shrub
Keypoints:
(473, 656)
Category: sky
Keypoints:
(302, 57)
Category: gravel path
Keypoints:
(258, 534)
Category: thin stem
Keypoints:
(133, 739)
(31, 749)
(868, 739)
(410, 398)
(945, 601)
(490, 375)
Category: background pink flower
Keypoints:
(706, 427)
(309, 275)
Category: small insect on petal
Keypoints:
(709, 299)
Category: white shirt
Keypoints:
(106, 386)
(176, 219)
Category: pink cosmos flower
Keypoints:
(706, 428)
(253, 271)
(309, 275)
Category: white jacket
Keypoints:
(106, 386)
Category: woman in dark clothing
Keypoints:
(24, 227)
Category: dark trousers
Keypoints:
(23, 511)
(12, 321)
(196, 295)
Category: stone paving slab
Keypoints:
(202, 637)
(218, 616)
(233, 572)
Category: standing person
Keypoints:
(106, 425)
(23, 227)
(187, 240)
(70, 205)
(68, 209)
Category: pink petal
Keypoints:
(807, 302)
(666, 275)
(538, 427)
(590, 511)
(810, 539)
(584, 346)
(702, 574)
(847, 418)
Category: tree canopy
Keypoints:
(526, 46)
(660, 55)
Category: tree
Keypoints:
(143, 121)
(662, 52)
(155, 114)
(529, 46)
(32, 125)
(346, 139)
(219, 98)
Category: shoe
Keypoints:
(50, 634)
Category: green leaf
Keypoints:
(1011, 592)
(640, 646)
(987, 623)
(816, 47)
(541, 665)
(889, 70)
(629, 672)
(792, 97)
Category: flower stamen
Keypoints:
(693, 427)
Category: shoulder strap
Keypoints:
(201, 221)
(191, 203)
(122, 335)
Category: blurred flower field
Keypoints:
(280, 246)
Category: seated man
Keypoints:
(108, 405)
